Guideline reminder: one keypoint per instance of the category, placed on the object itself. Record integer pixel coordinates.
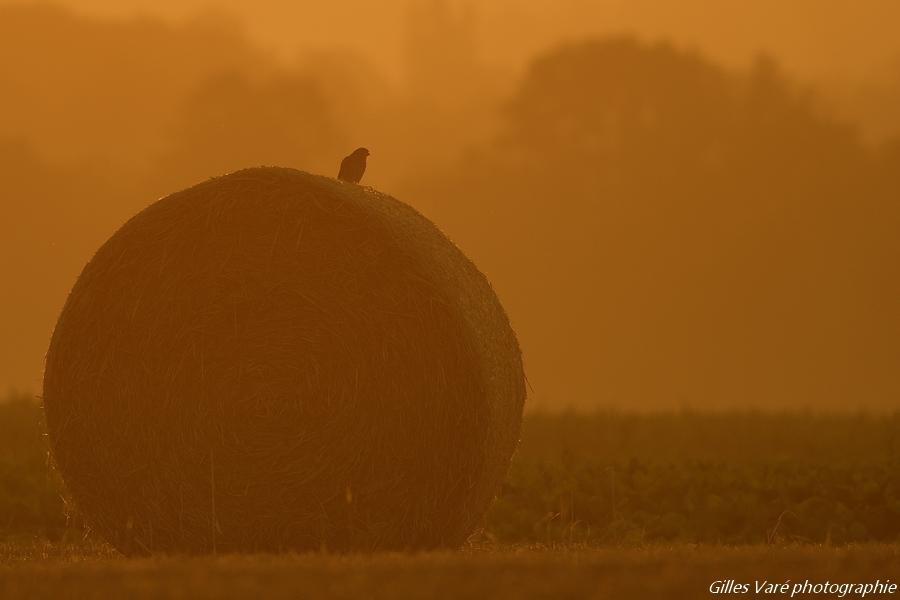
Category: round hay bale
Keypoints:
(273, 360)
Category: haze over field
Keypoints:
(670, 218)
(848, 49)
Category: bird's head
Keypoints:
(363, 152)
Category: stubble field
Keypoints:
(681, 571)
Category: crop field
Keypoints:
(601, 505)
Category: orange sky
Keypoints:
(97, 118)
(823, 38)
(849, 51)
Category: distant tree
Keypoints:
(610, 111)
(600, 104)
(664, 228)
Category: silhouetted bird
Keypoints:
(353, 166)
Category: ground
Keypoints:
(681, 571)
(595, 506)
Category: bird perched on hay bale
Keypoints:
(273, 360)
(353, 166)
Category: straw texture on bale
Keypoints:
(273, 360)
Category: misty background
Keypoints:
(691, 204)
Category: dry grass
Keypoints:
(521, 573)
(273, 360)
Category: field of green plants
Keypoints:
(615, 480)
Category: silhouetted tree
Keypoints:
(662, 228)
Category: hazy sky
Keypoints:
(848, 52)
(847, 40)
(100, 117)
